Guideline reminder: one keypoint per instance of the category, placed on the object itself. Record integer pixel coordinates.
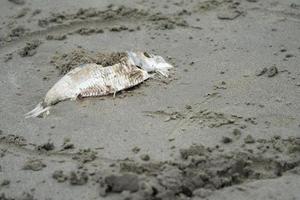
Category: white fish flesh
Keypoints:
(95, 80)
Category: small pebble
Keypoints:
(226, 140)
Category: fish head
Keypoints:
(149, 62)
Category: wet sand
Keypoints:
(225, 125)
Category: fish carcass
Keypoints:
(91, 80)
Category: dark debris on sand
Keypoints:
(48, 146)
(68, 61)
(59, 176)
(201, 171)
(34, 165)
(13, 139)
(78, 178)
(15, 33)
(128, 182)
(56, 37)
(269, 72)
(17, 2)
(30, 49)
(85, 155)
(198, 172)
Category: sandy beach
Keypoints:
(224, 125)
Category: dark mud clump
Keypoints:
(145, 157)
(226, 140)
(67, 144)
(167, 22)
(166, 26)
(272, 71)
(30, 49)
(161, 21)
(213, 119)
(269, 72)
(13, 139)
(118, 28)
(36, 12)
(85, 155)
(198, 172)
(34, 165)
(15, 33)
(91, 13)
(207, 5)
(89, 31)
(109, 59)
(227, 10)
(193, 150)
(75, 177)
(202, 170)
(8, 57)
(2, 154)
(24, 196)
(59, 176)
(78, 178)
(43, 23)
(56, 37)
(135, 149)
(237, 132)
(27, 196)
(249, 139)
(49, 146)
(68, 61)
(128, 182)
(17, 2)
(4, 197)
(4, 183)
(140, 168)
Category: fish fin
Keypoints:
(37, 111)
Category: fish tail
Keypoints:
(37, 111)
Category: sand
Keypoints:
(225, 125)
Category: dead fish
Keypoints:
(92, 80)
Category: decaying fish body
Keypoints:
(94, 80)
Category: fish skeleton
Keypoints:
(92, 80)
